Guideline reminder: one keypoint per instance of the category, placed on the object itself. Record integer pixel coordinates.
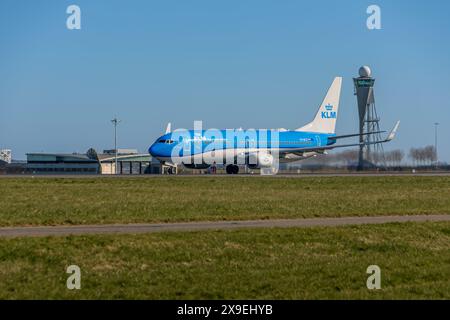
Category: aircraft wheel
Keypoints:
(229, 169)
(235, 169)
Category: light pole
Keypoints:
(436, 124)
(115, 122)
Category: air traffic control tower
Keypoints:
(369, 154)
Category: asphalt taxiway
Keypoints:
(43, 231)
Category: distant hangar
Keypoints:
(129, 161)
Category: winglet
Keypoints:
(391, 135)
(169, 128)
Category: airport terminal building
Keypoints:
(129, 162)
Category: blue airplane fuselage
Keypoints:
(196, 142)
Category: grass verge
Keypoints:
(315, 263)
(56, 201)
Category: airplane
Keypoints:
(258, 149)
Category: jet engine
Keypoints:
(260, 160)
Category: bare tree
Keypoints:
(349, 156)
(414, 155)
(429, 154)
(376, 157)
(396, 157)
(388, 157)
(422, 156)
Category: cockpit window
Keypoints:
(168, 141)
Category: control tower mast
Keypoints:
(369, 122)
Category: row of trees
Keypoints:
(423, 156)
(418, 156)
(348, 157)
(393, 158)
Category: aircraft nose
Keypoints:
(153, 150)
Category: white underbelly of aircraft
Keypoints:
(253, 157)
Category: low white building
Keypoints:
(6, 155)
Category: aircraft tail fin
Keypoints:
(326, 116)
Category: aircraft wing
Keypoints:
(390, 137)
(354, 135)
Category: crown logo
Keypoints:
(329, 107)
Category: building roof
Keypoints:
(58, 157)
(120, 151)
(78, 157)
(145, 157)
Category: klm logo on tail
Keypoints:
(329, 114)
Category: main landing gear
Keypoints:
(232, 169)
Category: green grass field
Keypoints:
(323, 263)
(54, 201)
(316, 263)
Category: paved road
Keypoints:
(217, 225)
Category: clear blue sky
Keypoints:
(233, 63)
